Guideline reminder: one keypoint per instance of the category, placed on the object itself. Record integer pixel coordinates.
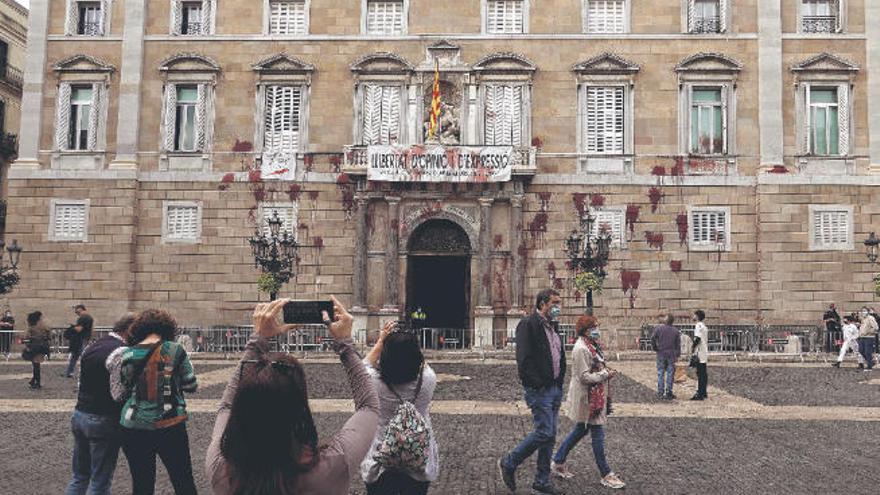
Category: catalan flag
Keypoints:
(435, 102)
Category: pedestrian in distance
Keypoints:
(867, 338)
(36, 346)
(400, 376)
(700, 350)
(667, 344)
(7, 329)
(78, 336)
(831, 319)
(540, 359)
(265, 441)
(589, 402)
(850, 342)
(97, 434)
(155, 372)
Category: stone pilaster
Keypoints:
(32, 91)
(770, 82)
(516, 277)
(130, 77)
(484, 297)
(872, 31)
(392, 250)
(359, 275)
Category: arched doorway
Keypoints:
(438, 277)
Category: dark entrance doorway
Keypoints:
(438, 276)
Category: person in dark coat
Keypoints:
(36, 345)
(540, 359)
(831, 318)
(82, 333)
(7, 326)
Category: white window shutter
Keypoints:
(170, 124)
(516, 116)
(390, 126)
(95, 115)
(62, 119)
(494, 103)
(282, 119)
(372, 109)
(202, 117)
(182, 222)
(70, 222)
(843, 118)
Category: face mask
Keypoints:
(555, 311)
(594, 334)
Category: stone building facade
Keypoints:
(731, 147)
(13, 36)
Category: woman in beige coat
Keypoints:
(588, 401)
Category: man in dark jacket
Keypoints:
(82, 332)
(667, 344)
(97, 434)
(540, 359)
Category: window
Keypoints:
(705, 16)
(381, 114)
(288, 17)
(192, 17)
(605, 16)
(282, 119)
(386, 18)
(612, 220)
(185, 118)
(820, 16)
(503, 115)
(604, 127)
(831, 228)
(80, 117)
(78, 120)
(505, 16)
(81, 113)
(89, 22)
(707, 121)
(68, 220)
(182, 221)
(287, 212)
(824, 122)
(709, 228)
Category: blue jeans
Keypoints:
(96, 441)
(544, 404)
(597, 433)
(866, 349)
(667, 366)
(75, 353)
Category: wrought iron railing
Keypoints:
(820, 24)
(193, 28)
(8, 146)
(707, 25)
(11, 75)
(91, 28)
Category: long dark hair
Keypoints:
(270, 438)
(401, 358)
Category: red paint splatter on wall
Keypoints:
(252, 214)
(778, 169)
(537, 142)
(242, 147)
(487, 281)
(226, 181)
(654, 196)
(551, 269)
(658, 171)
(580, 203)
(597, 200)
(682, 221)
(655, 240)
(678, 169)
(577, 296)
(632, 216)
(395, 224)
(348, 203)
(255, 176)
(545, 197)
(558, 284)
(294, 191)
(498, 241)
(259, 193)
(313, 195)
(369, 220)
(318, 242)
(342, 180)
(336, 162)
(309, 162)
(629, 283)
(538, 225)
(675, 266)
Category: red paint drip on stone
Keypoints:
(597, 200)
(580, 203)
(675, 266)
(632, 216)
(655, 240)
(654, 196)
(242, 147)
(294, 191)
(682, 221)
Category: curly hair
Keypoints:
(151, 321)
(585, 324)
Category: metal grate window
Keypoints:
(69, 223)
(287, 17)
(820, 16)
(182, 223)
(831, 228)
(709, 228)
(286, 212)
(606, 16)
(604, 120)
(505, 17)
(386, 18)
(503, 115)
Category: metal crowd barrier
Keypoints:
(445, 338)
(732, 339)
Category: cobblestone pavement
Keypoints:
(657, 448)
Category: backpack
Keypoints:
(405, 443)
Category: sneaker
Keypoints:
(612, 481)
(861, 366)
(835, 364)
(697, 397)
(561, 471)
(669, 396)
(661, 395)
(508, 476)
(547, 489)
(35, 386)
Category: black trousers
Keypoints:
(702, 379)
(172, 446)
(397, 483)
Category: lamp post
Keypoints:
(9, 277)
(871, 244)
(275, 253)
(588, 252)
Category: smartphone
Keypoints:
(307, 312)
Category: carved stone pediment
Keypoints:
(82, 63)
(826, 62)
(504, 62)
(709, 62)
(446, 53)
(283, 63)
(189, 62)
(606, 63)
(383, 62)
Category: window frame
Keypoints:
(688, 18)
(365, 16)
(484, 24)
(817, 209)
(585, 18)
(75, 130)
(208, 13)
(842, 20)
(72, 18)
(166, 227)
(710, 246)
(267, 18)
(53, 215)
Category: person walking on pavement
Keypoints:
(7, 327)
(82, 332)
(831, 319)
(850, 341)
(36, 345)
(97, 434)
(589, 402)
(700, 349)
(867, 338)
(667, 343)
(540, 359)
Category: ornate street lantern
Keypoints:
(588, 252)
(9, 277)
(275, 253)
(871, 244)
